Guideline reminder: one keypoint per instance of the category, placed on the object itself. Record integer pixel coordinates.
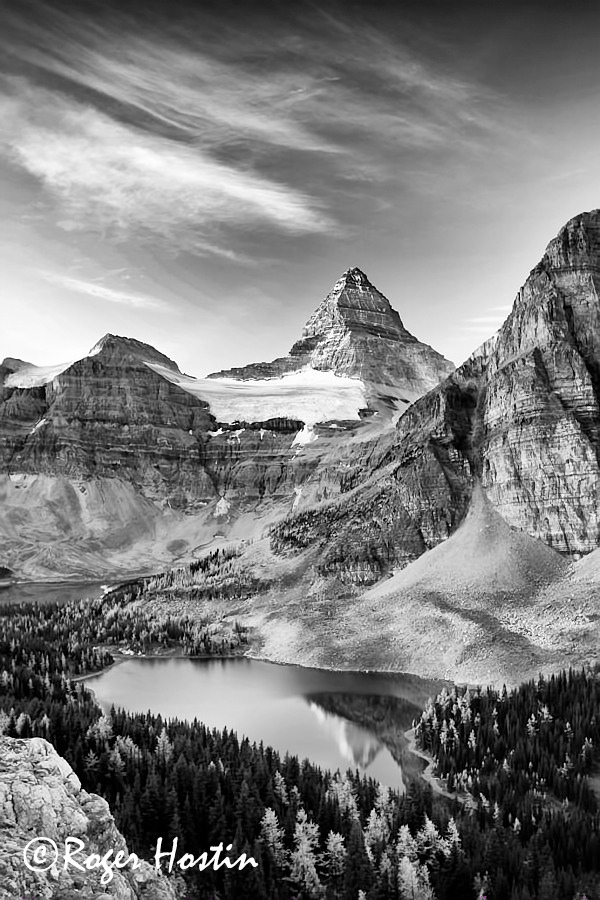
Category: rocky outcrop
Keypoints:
(41, 797)
(356, 332)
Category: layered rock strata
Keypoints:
(109, 415)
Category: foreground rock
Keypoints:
(40, 796)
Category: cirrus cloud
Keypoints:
(102, 292)
(112, 176)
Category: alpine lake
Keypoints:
(337, 720)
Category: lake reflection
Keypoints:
(336, 719)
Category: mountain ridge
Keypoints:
(196, 456)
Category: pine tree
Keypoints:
(413, 881)
(303, 870)
(273, 835)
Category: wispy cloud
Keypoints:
(121, 178)
(485, 325)
(486, 320)
(184, 139)
(102, 292)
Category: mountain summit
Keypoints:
(356, 332)
(119, 350)
(354, 303)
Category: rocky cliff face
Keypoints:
(40, 796)
(108, 416)
(539, 421)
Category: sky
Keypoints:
(197, 175)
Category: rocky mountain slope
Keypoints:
(41, 797)
(119, 462)
(490, 604)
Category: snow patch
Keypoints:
(97, 348)
(298, 493)
(306, 436)
(35, 376)
(40, 424)
(19, 479)
(222, 507)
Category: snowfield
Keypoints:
(309, 395)
(34, 376)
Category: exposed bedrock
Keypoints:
(356, 332)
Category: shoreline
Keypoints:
(427, 774)
(391, 673)
(119, 658)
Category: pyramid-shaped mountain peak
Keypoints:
(355, 332)
(357, 304)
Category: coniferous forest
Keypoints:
(524, 824)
